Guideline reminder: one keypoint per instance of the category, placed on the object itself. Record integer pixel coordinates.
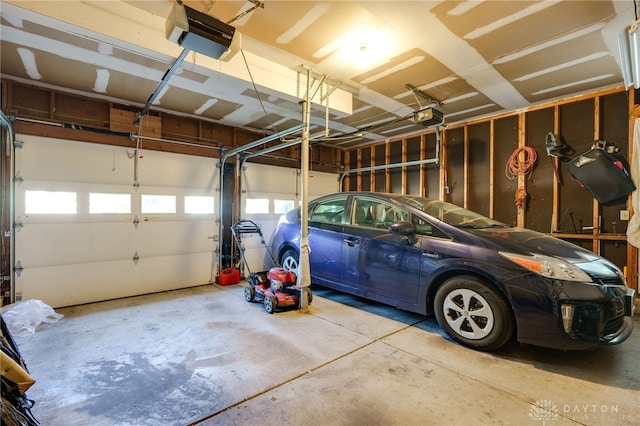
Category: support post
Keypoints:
(304, 271)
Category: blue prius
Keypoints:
(484, 280)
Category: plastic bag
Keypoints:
(23, 318)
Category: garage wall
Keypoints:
(474, 157)
(82, 257)
(273, 185)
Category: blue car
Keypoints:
(484, 281)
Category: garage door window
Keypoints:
(102, 203)
(50, 202)
(282, 206)
(198, 204)
(257, 205)
(158, 203)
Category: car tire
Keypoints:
(473, 313)
(290, 260)
(270, 304)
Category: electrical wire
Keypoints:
(521, 162)
(255, 88)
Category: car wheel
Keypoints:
(270, 304)
(290, 261)
(473, 313)
(249, 294)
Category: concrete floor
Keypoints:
(205, 356)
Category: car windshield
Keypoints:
(450, 213)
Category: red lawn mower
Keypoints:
(275, 288)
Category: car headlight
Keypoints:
(550, 267)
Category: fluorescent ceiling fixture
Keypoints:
(461, 97)
(303, 23)
(102, 81)
(562, 66)
(205, 106)
(550, 43)
(29, 62)
(466, 111)
(537, 7)
(575, 83)
(464, 7)
(437, 83)
(404, 65)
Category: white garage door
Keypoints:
(269, 191)
(89, 235)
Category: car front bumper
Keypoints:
(571, 315)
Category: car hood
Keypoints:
(525, 241)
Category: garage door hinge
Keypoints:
(136, 258)
(17, 178)
(18, 268)
(17, 225)
(18, 144)
(136, 221)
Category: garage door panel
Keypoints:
(87, 255)
(63, 160)
(45, 245)
(68, 285)
(166, 238)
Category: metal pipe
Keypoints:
(165, 79)
(10, 152)
(388, 166)
(223, 158)
(435, 160)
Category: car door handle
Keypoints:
(351, 242)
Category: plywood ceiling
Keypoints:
(474, 58)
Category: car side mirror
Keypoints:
(402, 228)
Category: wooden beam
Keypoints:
(465, 167)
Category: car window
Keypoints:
(424, 227)
(375, 213)
(450, 213)
(329, 211)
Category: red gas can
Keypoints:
(228, 276)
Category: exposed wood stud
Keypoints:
(404, 168)
(596, 222)
(492, 171)
(465, 167)
(522, 179)
(556, 183)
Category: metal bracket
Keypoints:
(136, 258)
(18, 144)
(17, 225)
(136, 221)
(18, 268)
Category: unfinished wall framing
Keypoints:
(474, 156)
